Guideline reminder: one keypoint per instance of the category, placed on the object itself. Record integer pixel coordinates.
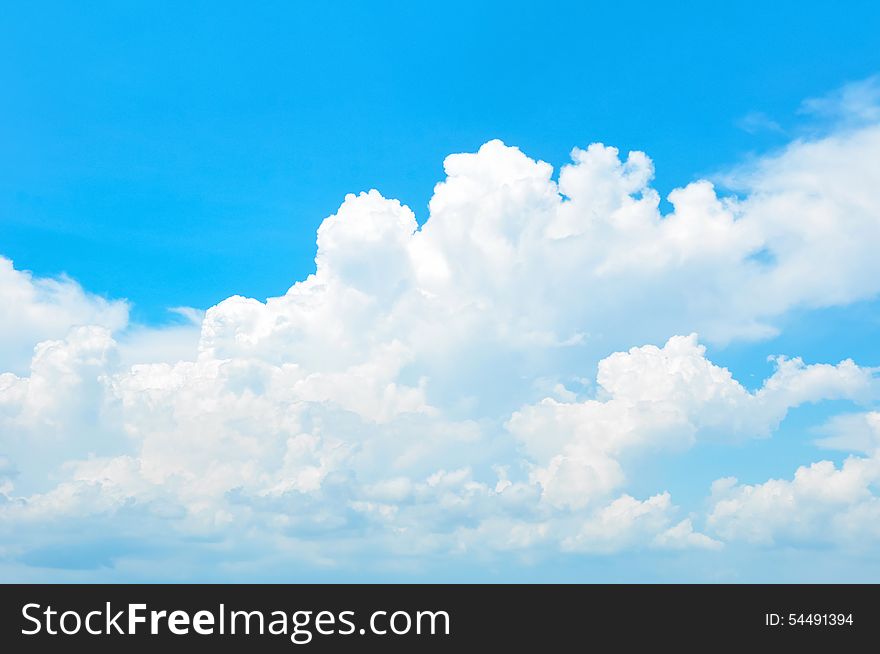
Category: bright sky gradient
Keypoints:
(512, 390)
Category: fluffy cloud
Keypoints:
(663, 397)
(57, 412)
(517, 276)
(427, 391)
(627, 522)
(240, 446)
(822, 503)
(46, 308)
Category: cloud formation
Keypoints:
(822, 503)
(664, 397)
(479, 384)
(43, 308)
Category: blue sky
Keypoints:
(507, 392)
(174, 155)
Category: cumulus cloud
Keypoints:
(239, 445)
(42, 308)
(822, 503)
(428, 390)
(664, 397)
(627, 522)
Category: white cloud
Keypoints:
(653, 398)
(859, 432)
(627, 522)
(822, 503)
(853, 105)
(242, 445)
(42, 308)
(397, 399)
